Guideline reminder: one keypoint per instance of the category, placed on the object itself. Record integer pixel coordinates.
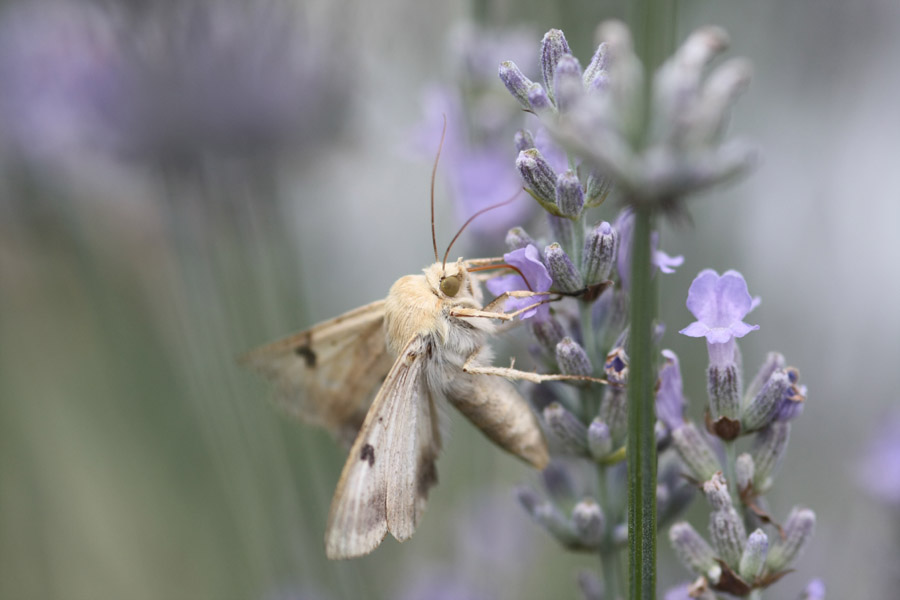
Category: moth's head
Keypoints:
(449, 280)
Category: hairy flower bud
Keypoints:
(572, 359)
(716, 492)
(596, 188)
(550, 517)
(723, 385)
(599, 254)
(587, 518)
(596, 66)
(761, 410)
(599, 439)
(548, 332)
(695, 451)
(569, 194)
(798, 531)
(565, 276)
(768, 449)
(773, 362)
(726, 528)
(524, 140)
(754, 557)
(559, 483)
(516, 82)
(744, 470)
(539, 100)
(553, 47)
(517, 238)
(692, 550)
(567, 86)
(566, 427)
(537, 174)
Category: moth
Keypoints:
(426, 343)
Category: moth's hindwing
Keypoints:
(385, 481)
(326, 375)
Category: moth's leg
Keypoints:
(474, 312)
(475, 262)
(514, 294)
(512, 373)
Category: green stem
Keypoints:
(641, 416)
(730, 477)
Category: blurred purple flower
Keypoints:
(669, 396)
(624, 226)
(879, 470)
(528, 261)
(478, 174)
(679, 592)
(719, 302)
(57, 63)
(815, 590)
(440, 584)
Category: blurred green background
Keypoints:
(137, 460)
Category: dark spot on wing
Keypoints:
(427, 476)
(368, 453)
(307, 353)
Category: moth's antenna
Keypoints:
(433, 173)
(503, 266)
(472, 218)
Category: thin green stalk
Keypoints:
(730, 477)
(609, 554)
(641, 439)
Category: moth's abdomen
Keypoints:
(495, 406)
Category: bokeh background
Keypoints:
(182, 180)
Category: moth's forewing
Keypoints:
(495, 406)
(327, 375)
(385, 481)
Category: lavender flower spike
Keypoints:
(516, 82)
(528, 261)
(719, 303)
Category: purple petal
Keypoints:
(695, 329)
(528, 261)
(670, 397)
(666, 262)
(740, 329)
(732, 297)
(701, 296)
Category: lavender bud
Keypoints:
(566, 428)
(599, 439)
(798, 530)
(548, 332)
(716, 492)
(599, 254)
(517, 238)
(614, 411)
(562, 230)
(524, 140)
(754, 557)
(695, 451)
(565, 276)
(587, 518)
(590, 586)
(596, 66)
(539, 100)
(516, 82)
(744, 471)
(768, 449)
(567, 85)
(553, 46)
(723, 386)
(537, 174)
(559, 483)
(616, 365)
(569, 194)
(728, 535)
(692, 550)
(791, 404)
(762, 408)
(528, 498)
(597, 188)
(572, 359)
(556, 523)
(773, 362)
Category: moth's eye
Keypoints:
(450, 286)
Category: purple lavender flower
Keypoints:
(719, 303)
(624, 225)
(815, 590)
(879, 471)
(528, 261)
(669, 396)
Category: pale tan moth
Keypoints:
(426, 343)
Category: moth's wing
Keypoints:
(326, 375)
(384, 485)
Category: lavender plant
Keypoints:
(650, 149)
